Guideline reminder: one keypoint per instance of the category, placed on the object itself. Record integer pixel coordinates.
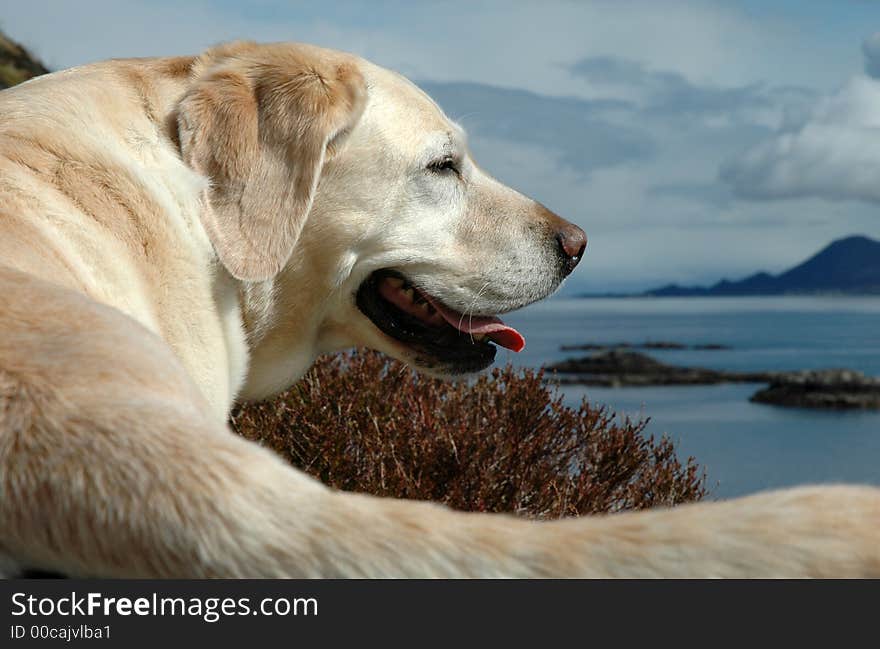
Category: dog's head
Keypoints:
(350, 206)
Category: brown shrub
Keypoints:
(502, 443)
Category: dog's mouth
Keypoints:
(436, 332)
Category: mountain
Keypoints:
(850, 265)
(16, 63)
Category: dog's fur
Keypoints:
(176, 234)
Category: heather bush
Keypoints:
(501, 443)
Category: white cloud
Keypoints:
(667, 94)
(585, 135)
(835, 154)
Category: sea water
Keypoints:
(744, 447)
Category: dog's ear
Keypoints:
(260, 128)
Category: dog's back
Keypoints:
(95, 197)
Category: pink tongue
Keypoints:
(492, 327)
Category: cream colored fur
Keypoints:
(176, 234)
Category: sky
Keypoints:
(691, 139)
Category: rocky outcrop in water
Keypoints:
(833, 388)
(621, 367)
(836, 389)
(659, 344)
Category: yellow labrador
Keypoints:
(176, 234)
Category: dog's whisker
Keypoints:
(469, 312)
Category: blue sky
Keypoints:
(691, 139)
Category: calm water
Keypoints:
(744, 447)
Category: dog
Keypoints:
(178, 234)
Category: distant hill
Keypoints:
(850, 265)
(16, 63)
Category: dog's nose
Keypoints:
(572, 243)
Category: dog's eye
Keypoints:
(444, 165)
